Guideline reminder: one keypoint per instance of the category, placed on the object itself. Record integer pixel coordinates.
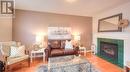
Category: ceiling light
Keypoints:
(71, 1)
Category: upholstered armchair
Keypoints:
(12, 61)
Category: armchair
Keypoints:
(11, 61)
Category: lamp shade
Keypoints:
(39, 39)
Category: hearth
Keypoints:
(111, 50)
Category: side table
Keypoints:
(37, 53)
(82, 49)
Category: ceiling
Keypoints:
(78, 7)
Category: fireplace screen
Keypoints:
(109, 50)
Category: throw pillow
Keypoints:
(13, 51)
(55, 44)
(21, 50)
(68, 45)
(17, 51)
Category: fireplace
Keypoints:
(111, 50)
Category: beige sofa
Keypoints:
(13, 62)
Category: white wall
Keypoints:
(5, 28)
(125, 35)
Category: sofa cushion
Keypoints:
(69, 51)
(55, 44)
(68, 45)
(12, 60)
(56, 52)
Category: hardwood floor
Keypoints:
(33, 66)
(99, 63)
(102, 64)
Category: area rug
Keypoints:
(67, 64)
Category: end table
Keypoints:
(37, 53)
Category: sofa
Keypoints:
(57, 48)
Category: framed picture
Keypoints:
(59, 32)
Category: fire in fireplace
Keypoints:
(110, 50)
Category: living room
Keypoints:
(43, 26)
